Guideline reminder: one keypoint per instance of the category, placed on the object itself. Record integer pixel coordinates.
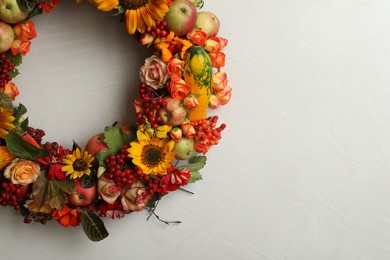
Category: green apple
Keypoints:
(207, 22)
(10, 12)
(6, 37)
(184, 149)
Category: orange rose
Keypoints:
(224, 95)
(219, 81)
(11, 90)
(25, 31)
(197, 37)
(217, 59)
(188, 129)
(179, 89)
(215, 44)
(175, 69)
(176, 134)
(191, 102)
(22, 171)
(19, 46)
(214, 102)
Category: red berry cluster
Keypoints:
(151, 103)
(117, 169)
(6, 66)
(36, 134)
(207, 133)
(159, 30)
(36, 216)
(9, 195)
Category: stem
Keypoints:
(190, 192)
(152, 213)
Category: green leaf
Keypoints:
(15, 59)
(13, 73)
(24, 124)
(93, 226)
(196, 163)
(23, 149)
(20, 111)
(195, 176)
(115, 139)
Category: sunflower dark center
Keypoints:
(79, 165)
(133, 4)
(153, 155)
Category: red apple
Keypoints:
(181, 17)
(82, 196)
(10, 11)
(24, 191)
(96, 144)
(184, 149)
(6, 37)
(207, 22)
(173, 113)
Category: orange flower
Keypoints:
(25, 31)
(5, 157)
(11, 90)
(170, 45)
(66, 216)
(217, 59)
(19, 46)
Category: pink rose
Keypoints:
(215, 44)
(219, 81)
(19, 46)
(217, 59)
(179, 89)
(11, 90)
(154, 72)
(22, 172)
(136, 198)
(107, 190)
(175, 69)
(197, 37)
(25, 31)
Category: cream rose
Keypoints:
(22, 172)
(136, 198)
(154, 72)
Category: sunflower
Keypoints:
(77, 164)
(139, 14)
(152, 156)
(6, 120)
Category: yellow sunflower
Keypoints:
(6, 120)
(77, 164)
(152, 156)
(139, 14)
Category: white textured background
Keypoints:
(303, 170)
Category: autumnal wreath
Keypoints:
(126, 168)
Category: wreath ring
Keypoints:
(126, 168)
